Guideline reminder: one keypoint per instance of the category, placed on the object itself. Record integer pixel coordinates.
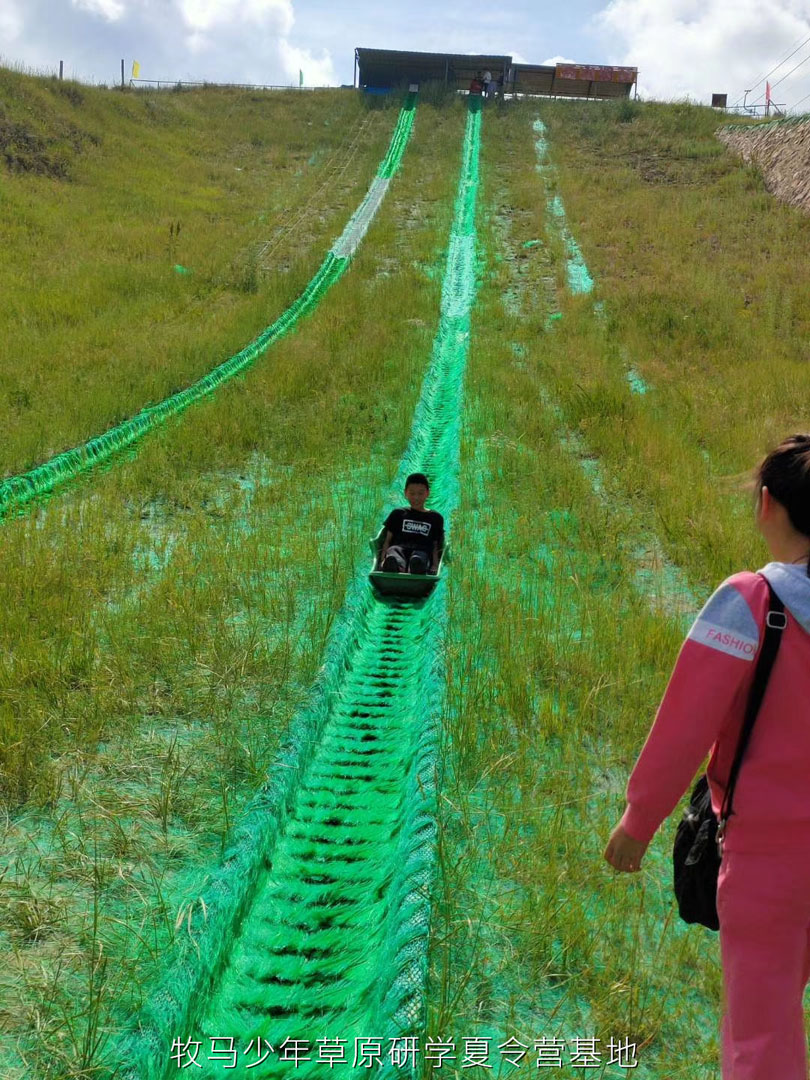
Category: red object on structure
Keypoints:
(767, 93)
(476, 87)
(596, 73)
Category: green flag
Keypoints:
(300, 77)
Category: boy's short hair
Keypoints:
(417, 478)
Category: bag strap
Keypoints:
(775, 623)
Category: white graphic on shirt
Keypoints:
(420, 527)
(724, 640)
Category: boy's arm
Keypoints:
(434, 566)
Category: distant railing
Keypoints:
(757, 110)
(180, 84)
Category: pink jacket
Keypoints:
(703, 708)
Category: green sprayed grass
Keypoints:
(706, 281)
(563, 631)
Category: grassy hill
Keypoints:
(165, 617)
(610, 433)
(135, 229)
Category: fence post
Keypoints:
(122, 74)
(61, 68)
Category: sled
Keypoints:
(401, 584)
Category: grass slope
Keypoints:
(581, 498)
(162, 625)
(706, 284)
(167, 617)
(97, 322)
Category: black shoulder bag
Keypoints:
(699, 838)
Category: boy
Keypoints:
(414, 536)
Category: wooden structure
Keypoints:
(573, 80)
(383, 69)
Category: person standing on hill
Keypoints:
(763, 890)
(487, 80)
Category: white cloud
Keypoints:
(247, 41)
(558, 60)
(697, 47)
(112, 10)
(317, 71)
(275, 16)
(11, 21)
(254, 34)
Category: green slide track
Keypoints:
(16, 491)
(316, 926)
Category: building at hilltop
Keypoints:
(382, 69)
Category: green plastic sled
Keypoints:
(401, 584)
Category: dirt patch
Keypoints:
(26, 151)
(782, 152)
(653, 169)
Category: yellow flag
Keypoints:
(136, 70)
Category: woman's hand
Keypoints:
(623, 852)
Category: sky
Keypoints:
(682, 48)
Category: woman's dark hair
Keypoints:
(785, 472)
(418, 478)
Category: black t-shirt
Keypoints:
(416, 528)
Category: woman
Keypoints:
(763, 892)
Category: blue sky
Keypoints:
(681, 47)
(534, 30)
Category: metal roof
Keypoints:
(389, 67)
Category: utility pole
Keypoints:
(61, 68)
(122, 74)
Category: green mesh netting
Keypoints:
(667, 582)
(579, 278)
(16, 491)
(317, 923)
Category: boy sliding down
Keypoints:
(414, 537)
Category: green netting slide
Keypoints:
(16, 491)
(317, 921)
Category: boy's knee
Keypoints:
(394, 561)
(418, 563)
